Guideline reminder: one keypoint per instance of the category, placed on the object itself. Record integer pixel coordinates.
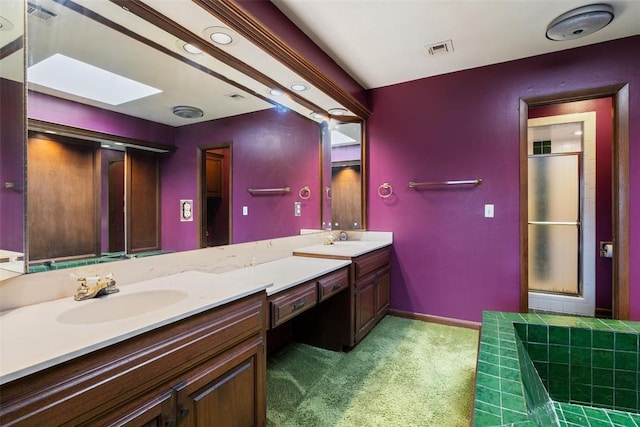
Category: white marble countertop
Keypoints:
(287, 272)
(38, 336)
(345, 249)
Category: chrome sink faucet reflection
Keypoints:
(91, 287)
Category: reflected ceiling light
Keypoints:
(578, 132)
(221, 35)
(188, 47)
(299, 87)
(580, 22)
(337, 111)
(316, 116)
(78, 78)
(187, 112)
(276, 92)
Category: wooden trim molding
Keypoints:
(449, 321)
(621, 184)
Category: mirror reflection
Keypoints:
(11, 139)
(126, 167)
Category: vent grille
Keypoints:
(39, 12)
(236, 96)
(440, 48)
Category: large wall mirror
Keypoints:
(199, 149)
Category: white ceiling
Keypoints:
(382, 42)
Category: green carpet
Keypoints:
(404, 373)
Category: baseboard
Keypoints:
(449, 321)
(604, 313)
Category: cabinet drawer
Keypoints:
(365, 264)
(290, 303)
(332, 283)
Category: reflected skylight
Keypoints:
(78, 78)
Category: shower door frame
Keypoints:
(620, 178)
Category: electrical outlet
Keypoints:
(245, 210)
(297, 209)
(488, 211)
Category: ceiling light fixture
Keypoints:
(299, 87)
(580, 22)
(191, 49)
(5, 24)
(337, 111)
(276, 92)
(221, 36)
(187, 112)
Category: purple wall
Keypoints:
(269, 149)
(345, 153)
(270, 16)
(448, 259)
(11, 166)
(57, 110)
(604, 221)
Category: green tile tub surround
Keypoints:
(520, 352)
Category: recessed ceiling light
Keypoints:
(5, 24)
(316, 116)
(221, 35)
(337, 111)
(276, 92)
(191, 49)
(87, 81)
(299, 87)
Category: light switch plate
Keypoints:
(297, 209)
(245, 210)
(488, 211)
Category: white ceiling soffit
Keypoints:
(191, 16)
(382, 42)
(83, 39)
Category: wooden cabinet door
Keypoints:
(142, 207)
(153, 410)
(365, 306)
(225, 392)
(382, 293)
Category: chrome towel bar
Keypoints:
(254, 191)
(413, 184)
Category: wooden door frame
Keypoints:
(620, 180)
(201, 188)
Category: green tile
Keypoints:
(625, 399)
(538, 352)
(603, 396)
(603, 359)
(620, 419)
(511, 387)
(577, 418)
(580, 337)
(488, 381)
(514, 403)
(626, 342)
(626, 380)
(581, 375)
(603, 377)
(488, 396)
(580, 393)
(559, 335)
(582, 356)
(559, 372)
(626, 360)
(603, 339)
(537, 334)
(559, 353)
(559, 390)
(486, 419)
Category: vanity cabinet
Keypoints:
(206, 370)
(371, 291)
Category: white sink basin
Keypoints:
(120, 306)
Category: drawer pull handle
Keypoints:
(184, 412)
(336, 286)
(298, 305)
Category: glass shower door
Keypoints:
(554, 223)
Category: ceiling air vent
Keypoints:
(39, 12)
(236, 96)
(440, 48)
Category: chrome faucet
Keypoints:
(91, 287)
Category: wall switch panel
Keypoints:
(488, 211)
(245, 210)
(297, 208)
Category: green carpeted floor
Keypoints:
(404, 373)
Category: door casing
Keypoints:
(620, 181)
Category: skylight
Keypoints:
(75, 77)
